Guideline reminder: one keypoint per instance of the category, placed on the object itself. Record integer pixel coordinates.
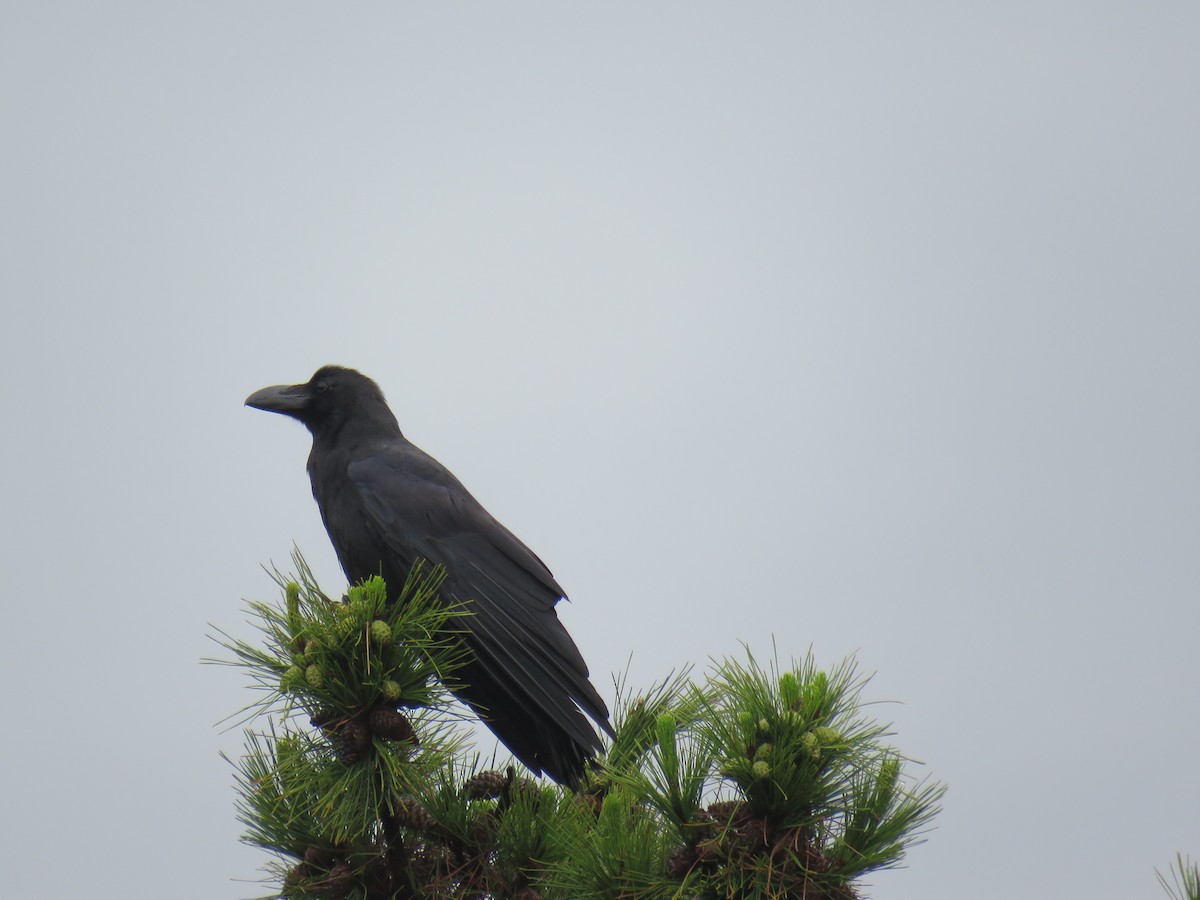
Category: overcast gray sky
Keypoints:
(870, 328)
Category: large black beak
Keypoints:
(288, 399)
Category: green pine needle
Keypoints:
(753, 782)
(1185, 879)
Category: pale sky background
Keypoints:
(866, 327)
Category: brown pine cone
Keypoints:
(709, 848)
(725, 811)
(340, 881)
(485, 785)
(681, 861)
(591, 802)
(318, 858)
(518, 787)
(323, 717)
(391, 725)
(411, 814)
(353, 741)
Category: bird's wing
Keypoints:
(418, 501)
(418, 509)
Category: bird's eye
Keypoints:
(323, 386)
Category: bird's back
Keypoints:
(387, 504)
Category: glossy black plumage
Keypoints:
(386, 503)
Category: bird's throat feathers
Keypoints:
(357, 427)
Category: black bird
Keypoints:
(386, 504)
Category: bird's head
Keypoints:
(333, 397)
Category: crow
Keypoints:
(386, 505)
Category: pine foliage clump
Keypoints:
(1185, 879)
(752, 783)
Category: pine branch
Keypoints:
(752, 783)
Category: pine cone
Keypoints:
(593, 803)
(291, 680)
(318, 858)
(485, 785)
(391, 691)
(340, 881)
(520, 787)
(411, 814)
(315, 676)
(681, 861)
(380, 632)
(353, 740)
(708, 848)
(391, 725)
(323, 717)
(725, 811)
(750, 835)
